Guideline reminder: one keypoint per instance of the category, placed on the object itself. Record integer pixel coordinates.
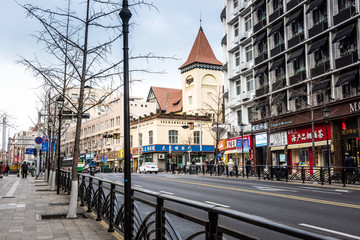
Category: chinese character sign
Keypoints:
(304, 135)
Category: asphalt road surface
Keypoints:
(328, 210)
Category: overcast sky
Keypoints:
(169, 32)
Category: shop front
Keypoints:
(278, 145)
(163, 155)
(350, 138)
(300, 146)
(238, 150)
(261, 148)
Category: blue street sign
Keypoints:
(29, 151)
(45, 146)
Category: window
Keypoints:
(320, 98)
(190, 100)
(249, 83)
(238, 87)
(236, 29)
(131, 140)
(151, 133)
(261, 14)
(196, 137)
(140, 139)
(277, 4)
(248, 51)
(279, 108)
(92, 97)
(295, 27)
(173, 136)
(235, 3)
(237, 59)
(74, 96)
(248, 24)
(239, 117)
(345, 4)
(250, 114)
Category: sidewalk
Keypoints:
(25, 204)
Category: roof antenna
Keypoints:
(200, 21)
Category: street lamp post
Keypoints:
(60, 101)
(50, 148)
(125, 16)
(199, 125)
(242, 126)
(326, 113)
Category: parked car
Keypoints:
(86, 169)
(149, 167)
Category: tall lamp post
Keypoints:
(125, 15)
(200, 138)
(60, 103)
(50, 148)
(242, 127)
(326, 113)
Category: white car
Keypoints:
(149, 167)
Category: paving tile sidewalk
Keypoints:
(22, 201)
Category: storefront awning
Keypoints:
(317, 45)
(260, 70)
(278, 98)
(314, 5)
(277, 64)
(258, 5)
(231, 151)
(277, 148)
(309, 144)
(321, 86)
(346, 78)
(294, 17)
(275, 28)
(295, 55)
(344, 33)
(259, 38)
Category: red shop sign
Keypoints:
(304, 135)
(231, 142)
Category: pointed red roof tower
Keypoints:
(201, 55)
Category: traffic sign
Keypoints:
(29, 151)
(38, 140)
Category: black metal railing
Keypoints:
(163, 216)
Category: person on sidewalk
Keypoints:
(7, 170)
(349, 164)
(1, 169)
(24, 169)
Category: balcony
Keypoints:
(279, 84)
(318, 28)
(262, 90)
(278, 49)
(262, 57)
(346, 59)
(259, 25)
(275, 14)
(298, 77)
(320, 68)
(344, 14)
(298, 38)
(293, 3)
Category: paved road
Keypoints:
(330, 210)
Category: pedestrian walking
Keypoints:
(1, 169)
(349, 164)
(7, 170)
(24, 170)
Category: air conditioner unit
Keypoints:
(244, 66)
(162, 156)
(244, 35)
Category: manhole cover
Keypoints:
(57, 216)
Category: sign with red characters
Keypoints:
(304, 135)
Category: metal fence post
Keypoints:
(211, 228)
(111, 217)
(99, 202)
(343, 176)
(160, 219)
(259, 173)
(203, 169)
(322, 175)
(227, 171)
(82, 198)
(286, 173)
(303, 174)
(236, 171)
(89, 200)
(271, 173)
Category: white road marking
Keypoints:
(320, 190)
(330, 231)
(167, 192)
(137, 186)
(341, 190)
(12, 189)
(217, 204)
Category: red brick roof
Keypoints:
(174, 102)
(167, 97)
(201, 51)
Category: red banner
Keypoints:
(304, 135)
(231, 142)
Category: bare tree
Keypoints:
(77, 58)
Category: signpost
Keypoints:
(38, 140)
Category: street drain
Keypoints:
(8, 197)
(38, 185)
(42, 190)
(57, 216)
(58, 204)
